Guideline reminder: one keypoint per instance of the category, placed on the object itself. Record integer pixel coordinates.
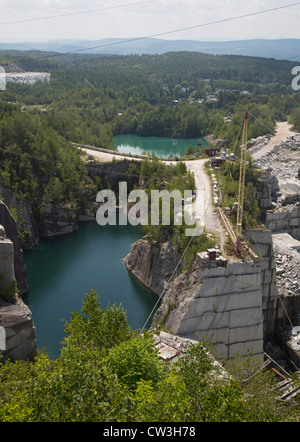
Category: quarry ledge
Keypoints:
(233, 305)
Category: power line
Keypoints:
(272, 282)
(238, 17)
(75, 13)
(266, 127)
(170, 279)
(178, 263)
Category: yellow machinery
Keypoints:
(239, 221)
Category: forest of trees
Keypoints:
(37, 163)
(157, 175)
(106, 372)
(90, 98)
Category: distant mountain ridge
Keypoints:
(281, 49)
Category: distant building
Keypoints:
(212, 151)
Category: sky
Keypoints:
(143, 18)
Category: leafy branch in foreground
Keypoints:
(107, 373)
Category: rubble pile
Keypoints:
(288, 273)
(287, 258)
(27, 77)
(283, 162)
(256, 144)
(295, 339)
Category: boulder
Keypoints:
(11, 230)
(17, 331)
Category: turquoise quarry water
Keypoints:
(161, 147)
(63, 269)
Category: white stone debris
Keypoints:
(28, 77)
(287, 257)
(284, 163)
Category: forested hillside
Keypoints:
(90, 98)
(106, 371)
(36, 161)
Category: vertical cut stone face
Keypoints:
(17, 331)
(262, 243)
(232, 306)
(219, 305)
(227, 311)
(153, 265)
(7, 269)
(287, 220)
(11, 231)
(2, 339)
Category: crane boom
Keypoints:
(241, 194)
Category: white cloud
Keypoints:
(150, 18)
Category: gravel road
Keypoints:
(211, 216)
(283, 131)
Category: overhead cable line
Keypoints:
(201, 25)
(171, 277)
(258, 247)
(68, 14)
(266, 127)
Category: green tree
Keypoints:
(53, 193)
(136, 360)
(105, 373)
(164, 401)
(101, 328)
(295, 119)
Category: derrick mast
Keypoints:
(241, 194)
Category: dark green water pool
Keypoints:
(62, 269)
(161, 147)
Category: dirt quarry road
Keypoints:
(283, 132)
(203, 186)
(105, 157)
(197, 167)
